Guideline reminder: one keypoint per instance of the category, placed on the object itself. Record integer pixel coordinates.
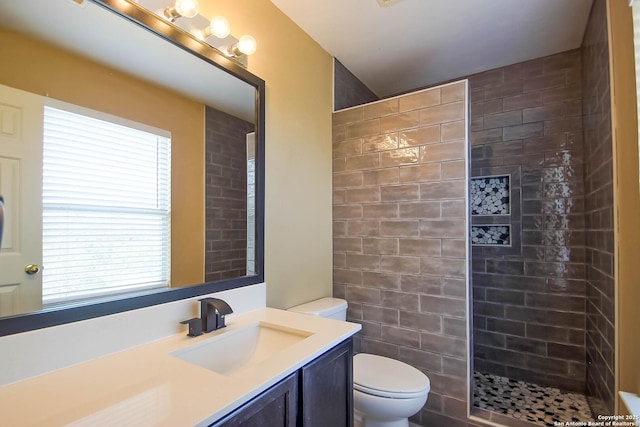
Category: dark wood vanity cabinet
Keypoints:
(326, 388)
(276, 407)
(319, 394)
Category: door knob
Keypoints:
(31, 269)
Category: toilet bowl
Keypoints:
(386, 392)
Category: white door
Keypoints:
(21, 128)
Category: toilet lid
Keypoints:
(382, 376)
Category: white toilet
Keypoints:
(386, 392)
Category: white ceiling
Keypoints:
(415, 43)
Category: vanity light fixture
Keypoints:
(218, 26)
(245, 45)
(186, 8)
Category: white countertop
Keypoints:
(147, 386)
(632, 402)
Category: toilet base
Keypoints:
(361, 421)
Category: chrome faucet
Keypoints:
(212, 317)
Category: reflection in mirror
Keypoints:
(123, 75)
(228, 151)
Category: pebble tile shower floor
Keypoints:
(528, 402)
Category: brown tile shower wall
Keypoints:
(400, 236)
(226, 195)
(529, 298)
(599, 212)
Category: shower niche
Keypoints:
(490, 198)
(490, 195)
(494, 235)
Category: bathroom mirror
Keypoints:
(120, 60)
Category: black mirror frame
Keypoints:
(53, 317)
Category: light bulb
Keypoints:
(187, 8)
(247, 45)
(220, 27)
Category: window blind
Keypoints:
(106, 207)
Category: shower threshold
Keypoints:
(527, 402)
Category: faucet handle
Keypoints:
(195, 326)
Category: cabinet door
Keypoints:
(327, 389)
(276, 407)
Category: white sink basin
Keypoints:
(236, 350)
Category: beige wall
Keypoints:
(44, 70)
(298, 75)
(626, 193)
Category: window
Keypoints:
(106, 206)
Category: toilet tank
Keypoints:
(331, 308)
